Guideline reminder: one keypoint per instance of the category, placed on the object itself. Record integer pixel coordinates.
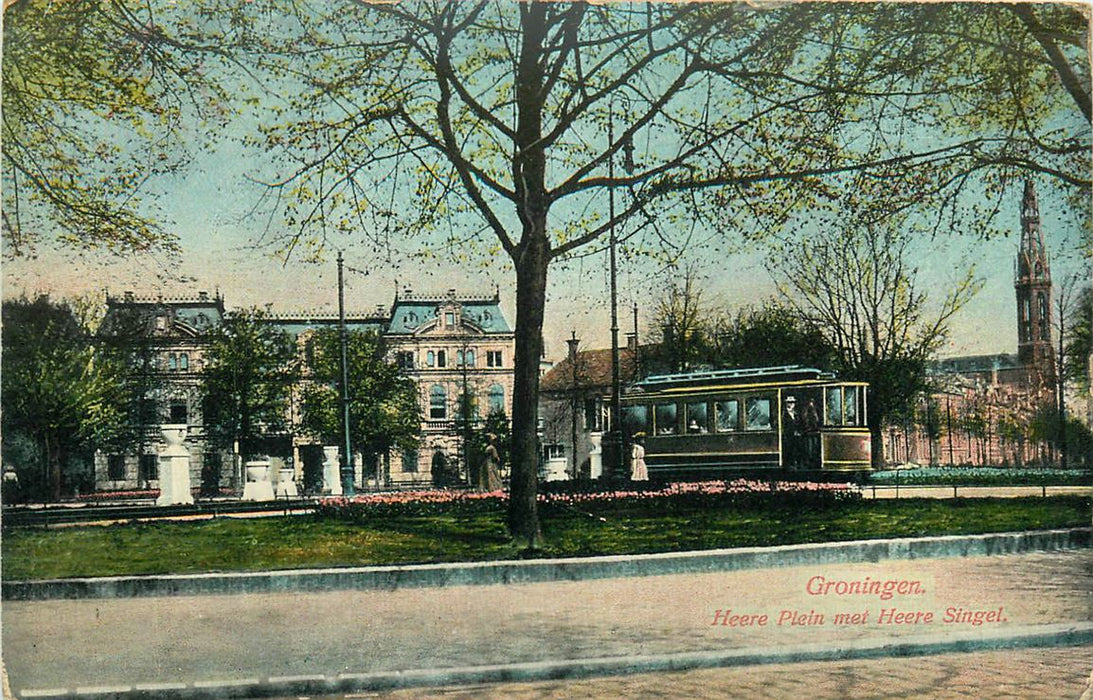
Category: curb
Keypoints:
(546, 570)
(1026, 637)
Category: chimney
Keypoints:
(129, 296)
(203, 296)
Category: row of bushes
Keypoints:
(981, 476)
(740, 493)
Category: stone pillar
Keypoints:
(174, 468)
(332, 477)
(595, 456)
(258, 486)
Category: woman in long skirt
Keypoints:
(638, 471)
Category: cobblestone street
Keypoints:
(1044, 674)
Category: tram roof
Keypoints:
(782, 373)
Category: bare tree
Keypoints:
(860, 289)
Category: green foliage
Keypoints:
(384, 411)
(768, 336)
(981, 476)
(1079, 339)
(96, 99)
(59, 390)
(250, 366)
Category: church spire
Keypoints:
(1033, 287)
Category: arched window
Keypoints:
(430, 358)
(438, 402)
(459, 358)
(497, 398)
(184, 361)
(470, 358)
(172, 361)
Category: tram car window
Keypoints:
(696, 417)
(757, 412)
(726, 423)
(665, 418)
(727, 415)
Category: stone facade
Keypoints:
(167, 336)
(460, 352)
(450, 345)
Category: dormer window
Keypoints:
(161, 323)
(449, 320)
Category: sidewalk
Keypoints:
(225, 639)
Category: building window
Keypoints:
(438, 403)
(449, 320)
(148, 470)
(430, 358)
(467, 406)
(179, 411)
(405, 360)
(459, 358)
(470, 358)
(115, 467)
(441, 358)
(172, 362)
(497, 398)
(493, 358)
(409, 460)
(592, 415)
(184, 362)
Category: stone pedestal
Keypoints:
(286, 483)
(258, 486)
(595, 457)
(174, 468)
(555, 469)
(332, 475)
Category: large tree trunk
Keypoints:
(531, 275)
(53, 465)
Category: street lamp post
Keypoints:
(347, 448)
(614, 440)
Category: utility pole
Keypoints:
(347, 448)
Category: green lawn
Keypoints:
(305, 541)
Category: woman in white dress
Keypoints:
(638, 471)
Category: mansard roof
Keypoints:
(410, 312)
(295, 324)
(188, 316)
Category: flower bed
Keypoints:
(118, 495)
(676, 496)
(981, 476)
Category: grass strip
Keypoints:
(230, 544)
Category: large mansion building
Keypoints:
(457, 349)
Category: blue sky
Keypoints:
(209, 207)
(209, 210)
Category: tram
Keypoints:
(724, 423)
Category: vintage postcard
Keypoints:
(546, 349)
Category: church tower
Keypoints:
(1033, 285)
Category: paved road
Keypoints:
(208, 638)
